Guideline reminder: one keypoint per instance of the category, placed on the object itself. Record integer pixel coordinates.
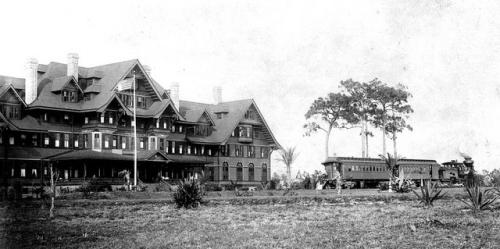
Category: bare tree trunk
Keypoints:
(327, 141)
(363, 138)
(384, 148)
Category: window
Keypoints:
(110, 120)
(96, 143)
(66, 117)
(115, 142)
(264, 172)
(23, 139)
(140, 102)
(173, 147)
(203, 150)
(189, 149)
(46, 140)
(209, 152)
(66, 140)
(72, 96)
(180, 148)
(141, 144)
(34, 173)
(251, 151)
(34, 140)
(11, 140)
(164, 124)
(106, 141)
(152, 143)
(65, 96)
(225, 171)
(251, 172)
(237, 151)
(85, 140)
(180, 128)
(264, 152)
(124, 142)
(102, 118)
(76, 137)
(45, 117)
(58, 138)
(173, 128)
(239, 172)
(162, 144)
(211, 173)
(86, 120)
(158, 123)
(23, 172)
(166, 146)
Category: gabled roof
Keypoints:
(234, 114)
(17, 83)
(59, 83)
(6, 87)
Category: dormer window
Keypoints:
(69, 96)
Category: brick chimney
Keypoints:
(73, 65)
(217, 92)
(31, 83)
(174, 94)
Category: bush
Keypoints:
(479, 200)
(430, 193)
(93, 185)
(162, 186)
(188, 194)
(213, 187)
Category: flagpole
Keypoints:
(135, 136)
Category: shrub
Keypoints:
(213, 187)
(162, 186)
(430, 193)
(479, 200)
(93, 185)
(188, 194)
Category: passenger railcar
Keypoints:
(368, 172)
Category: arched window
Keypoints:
(239, 171)
(225, 171)
(251, 172)
(264, 173)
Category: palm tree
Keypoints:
(288, 156)
(391, 163)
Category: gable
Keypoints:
(253, 116)
(144, 86)
(205, 118)
(10, 96)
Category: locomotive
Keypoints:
(369, 172)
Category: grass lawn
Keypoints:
(322, 221)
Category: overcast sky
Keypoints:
(285, 54)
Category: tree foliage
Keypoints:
(325, 114)
(288, 156)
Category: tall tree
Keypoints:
(399, 111)
(288, 156)
(392, 110)
(363, 107)
(328, 113)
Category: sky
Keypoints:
(285, 54)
